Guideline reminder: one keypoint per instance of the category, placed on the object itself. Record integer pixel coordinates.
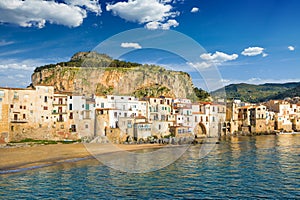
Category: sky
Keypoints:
(239, 41)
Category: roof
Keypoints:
(105, 109)
(140, 117)
(10, 88)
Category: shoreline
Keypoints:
(17, 159)
(25, 156)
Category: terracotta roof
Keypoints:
(198, 113)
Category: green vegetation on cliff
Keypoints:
(94, 73)
(90, 59)
(201, 94)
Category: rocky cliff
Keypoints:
(91, 73)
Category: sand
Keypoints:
(42, 155)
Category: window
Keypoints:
(73, 128)
(70, 106)
(11, 106)
(24, 107)
(0, 99)
(24, 116)
(129, 125)
(159, 127)
(21, 107)
(86, 126)
(102, 105)
(16, 95)
(45, 108)
(1, 93)
(71, 116)
(45, 99)
(71, 97)
(12, 128)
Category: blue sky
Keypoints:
(252, 41)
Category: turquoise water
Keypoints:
(237, 168)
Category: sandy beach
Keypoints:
(15, 158)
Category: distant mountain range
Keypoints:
(260, 93)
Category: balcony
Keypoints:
(59, 104)
(54, 112)
(19, 120)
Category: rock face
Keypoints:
(138, 80)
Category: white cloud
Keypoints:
(216, 59)
(194, 10)
(164, 26)
(131, 45)
(254, 51)
(225, 81)
(291, 48)
(4, 43)
(17, 66)
(33, 13)
(155, 14)
(17, 73)
(90, 5)
(200, 65)
(166, 1)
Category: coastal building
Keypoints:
(42, 113)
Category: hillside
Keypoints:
(259, 93)
(90, 72)
(293, 92)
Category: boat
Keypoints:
(287, 133)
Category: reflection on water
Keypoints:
(238, 167)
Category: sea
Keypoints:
(257, 167)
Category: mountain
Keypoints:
(293, 92)
(259, 93)
(90, 72)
